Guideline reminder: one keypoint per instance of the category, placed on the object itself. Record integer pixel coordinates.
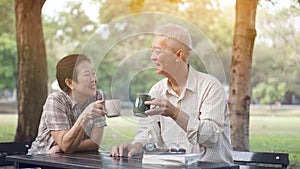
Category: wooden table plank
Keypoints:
(99, 160)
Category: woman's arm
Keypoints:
(71, 140)
(93, 143)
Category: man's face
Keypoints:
(162, 56)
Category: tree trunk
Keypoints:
(32, 67)
(240, 75)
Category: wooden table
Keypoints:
(95, 160)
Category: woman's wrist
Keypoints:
(82, 119)
(175, 115)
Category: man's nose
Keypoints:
(94, 78)
(153, 56)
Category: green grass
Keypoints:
(8, 125)
(119, 130)
(276, 131)
(270, 131)
(275, 112)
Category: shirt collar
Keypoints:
(166, 88)
(70, 99)
(191, 83)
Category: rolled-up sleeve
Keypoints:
(208, 128)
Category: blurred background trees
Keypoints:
(8, 49)
(270, 92)
(276, 52)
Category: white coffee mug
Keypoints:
(113, 107)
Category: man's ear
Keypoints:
(181, 55)
(69, 83)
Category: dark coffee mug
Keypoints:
(139, 107)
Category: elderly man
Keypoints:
(190, 108)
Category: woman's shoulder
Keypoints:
(58, 95)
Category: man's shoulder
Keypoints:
(201, 76)
(159, 86)
(161, 83)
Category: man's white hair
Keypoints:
(176, 32)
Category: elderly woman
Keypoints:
(73, 118)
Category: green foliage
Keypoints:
(7, 16)
(114, 9)
(277, 49)
(8, 49)
(212, 18)
(63, 35)
(66, 33)
(210, 13)
(271, 92)
(206, 15)
(8, 62)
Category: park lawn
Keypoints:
(118, 130)
(276, 134)
(270, 131)
(8, 125)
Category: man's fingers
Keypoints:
(132, 152)
(115, 151)
(156, 102)
(124, 148)
(121, 150)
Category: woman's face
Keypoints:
(85, 86)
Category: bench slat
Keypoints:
(12, 148)
(261, 157)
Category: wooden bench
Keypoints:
(260, 160)
(12, 148)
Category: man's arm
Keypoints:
(207, 129)
(203, 131)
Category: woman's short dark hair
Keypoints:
(65, 68)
